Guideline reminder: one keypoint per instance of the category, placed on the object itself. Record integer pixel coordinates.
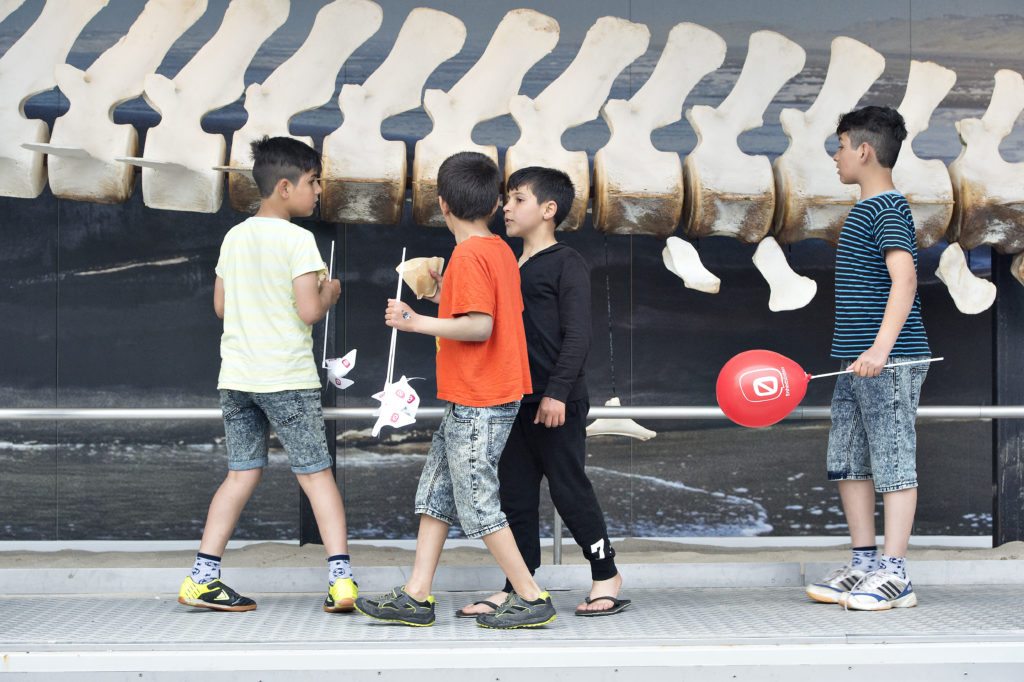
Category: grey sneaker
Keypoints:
(833, 585)
(880, 591)
(398, 607)
(516, 612)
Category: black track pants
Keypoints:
(534, 451)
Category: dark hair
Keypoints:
(274, 158)
(881, 127)
(470, 183)
(547, 184)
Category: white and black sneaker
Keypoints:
(833, 585)
(880, 591)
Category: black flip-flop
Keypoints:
(462, 614)
(617, 606)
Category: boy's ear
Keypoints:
(444, 205)
(865, 152)
(283, 188)
(550, 209)
(497, 205)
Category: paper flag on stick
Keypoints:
(337, 368)
(398, 400)
(398, 405)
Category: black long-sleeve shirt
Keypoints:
(556, 315)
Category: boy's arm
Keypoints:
(574, 321)
(218, 296)
(473, 326)
(313, 300)
(901, 299)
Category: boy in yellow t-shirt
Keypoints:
(269, 293)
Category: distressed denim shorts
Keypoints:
(298, 420)
(460, 475)
(873, 435)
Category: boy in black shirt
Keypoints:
(548, 436)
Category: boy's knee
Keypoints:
(244, 477)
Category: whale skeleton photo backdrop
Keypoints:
(714, 190)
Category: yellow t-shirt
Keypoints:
(265, 346)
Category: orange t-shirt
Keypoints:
(482, 276)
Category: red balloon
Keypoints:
(759, 388)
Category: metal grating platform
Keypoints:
(958, 632)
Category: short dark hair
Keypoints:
(881, 127)
(470, 183)
(547, 184)
(274, 158)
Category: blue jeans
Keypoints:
(297, 417)
(873, 435)
(460, 475)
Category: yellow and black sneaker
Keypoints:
(517, 612)
(213, 595)
(397, 606)
(341, 598)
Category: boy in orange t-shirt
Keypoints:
(482, 372)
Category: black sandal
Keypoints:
(462, 614)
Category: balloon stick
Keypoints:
(895, 364)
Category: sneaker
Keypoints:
(880, 591)
(516, 612)
(398, 607)
(833, 585)
(213, 595)
(341, 596)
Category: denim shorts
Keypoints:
(873, 435)
(460, 475)
(298, 420)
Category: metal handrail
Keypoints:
(596, 412)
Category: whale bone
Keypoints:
(521, 39)
(728, 192)
(364, 174)
(618, 427)
(179, 156)
(789, 290)
(27, 69)
(811, 201)
(572, 99)
(970, 293)
(683, 261)
(637, 188)
(988, 190)
(85, 141)
(924, 182)
(304, 81)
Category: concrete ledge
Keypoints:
(483, 578)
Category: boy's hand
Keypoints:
(333, 290)
(870, 363)
(399, 315)
(551, 413)
(436, 298)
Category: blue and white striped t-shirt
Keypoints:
(862, 280)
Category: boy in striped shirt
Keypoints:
(872, 443)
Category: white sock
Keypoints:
(206, 569)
